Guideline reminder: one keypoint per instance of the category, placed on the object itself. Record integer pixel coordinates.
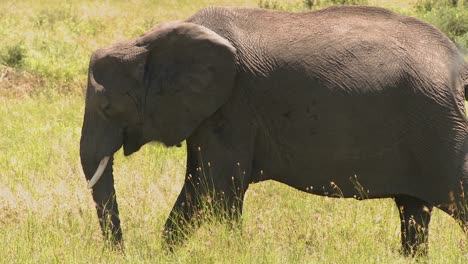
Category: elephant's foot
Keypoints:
(180, 222)
(174, 235)
(116, 245)
(415, 216)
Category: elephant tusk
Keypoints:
(99, 171)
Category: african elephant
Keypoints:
(355, 99)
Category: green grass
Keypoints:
(47, 215)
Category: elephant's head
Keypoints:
(157, 87)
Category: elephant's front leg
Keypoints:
(218, 185)
(217, 178)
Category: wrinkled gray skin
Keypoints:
(346, 101)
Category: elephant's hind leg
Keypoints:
(415, 216)
(459, 208)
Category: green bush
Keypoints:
(303, 5)
(282, 5)
(424, 6)
(347, 2)
(450, 16)
(13, 56)
(428, 5)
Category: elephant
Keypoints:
(346, 101)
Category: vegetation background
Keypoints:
(46, 213)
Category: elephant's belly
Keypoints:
(326, 174)
(367, 146)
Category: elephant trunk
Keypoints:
(99, 141)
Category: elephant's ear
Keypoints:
(189, 74)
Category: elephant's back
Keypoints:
(342, 23)
(349, 39)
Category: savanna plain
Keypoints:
(47, 214)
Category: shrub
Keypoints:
(13, 56)
(282, 5)
(302, 5)
(347, 2)
(450, 16)
(428, 5)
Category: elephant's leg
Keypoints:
(189, 208)
(415, 216)
(458, 206)
(175, 229)
(225, 201)
(216, 183)
(463, 198)
(459, 209)
(462, 217)
(107, 208)
(219, 163)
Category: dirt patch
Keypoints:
(16, 83)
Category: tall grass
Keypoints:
(47, 215)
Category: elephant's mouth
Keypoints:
(132, 140)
